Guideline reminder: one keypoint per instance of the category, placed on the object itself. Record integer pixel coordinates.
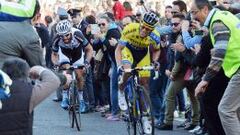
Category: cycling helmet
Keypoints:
(150, 19)
(64, 27)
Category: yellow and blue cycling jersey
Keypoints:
(131, 36)
(136, 51)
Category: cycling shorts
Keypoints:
(137, 58)
(74, 57)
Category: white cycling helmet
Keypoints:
(64, 27)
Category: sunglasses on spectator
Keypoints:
(175, 24)
(101, 24)
(174, 12)
(194, 12)
(225, 2)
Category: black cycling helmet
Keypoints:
(150, 19)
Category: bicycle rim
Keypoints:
(147, 106)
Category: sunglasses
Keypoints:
(175, 24)
(101, 24)
(194, 12)
(174, 12)
(146, 28)
(67, 35)
(225, 2)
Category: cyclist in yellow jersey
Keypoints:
(133, 50)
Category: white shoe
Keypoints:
(176, 115)
(122, 101)
(147, 127)
(195, 129)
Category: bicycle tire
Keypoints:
(70, 108)
(131, 124)
(74, 114)
(147, 102)
(77, 113)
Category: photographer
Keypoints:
(16, 116)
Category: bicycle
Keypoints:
(73, 99)
(138, 102)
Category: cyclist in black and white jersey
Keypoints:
(70, 47)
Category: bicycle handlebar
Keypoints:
(70, 68)
(148, 68)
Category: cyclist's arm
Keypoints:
(118, 54)
(55, 47)
(89, 52)
(155, 54)
(87, 46)
(11, 11)
(155, 36)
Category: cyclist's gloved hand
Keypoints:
(86, 63)
(87, 66)
(120, 69)
(156, 65)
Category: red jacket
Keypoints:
(118, 11)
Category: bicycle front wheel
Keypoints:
(74, 114)
(146, 115)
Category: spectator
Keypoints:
(127, 20)
(138, 17)
(76, 17)
(108, 39)
(128, 9)
(179, 82)
(25, 10)
(16, 116)
(168, 16)
(43, 33)
(118, 10)
(224, 54)
(48, 22)
(19, 39)
(179, 6)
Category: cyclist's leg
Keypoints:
(64, 63)
(145, 101)
(145, 75)
(127, 61)
(80, 74)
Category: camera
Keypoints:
(198, 32)
(141, 2)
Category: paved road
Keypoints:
(50, 119)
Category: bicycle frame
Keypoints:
(134, 94)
